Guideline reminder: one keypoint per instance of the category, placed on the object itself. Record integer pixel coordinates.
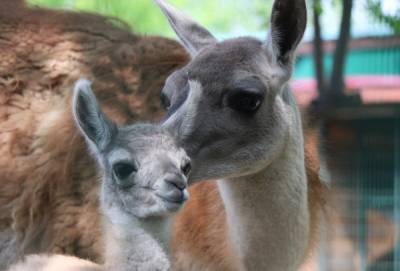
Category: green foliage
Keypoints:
(318, 7)
(143, 16)
(263, 9)
(393, 21)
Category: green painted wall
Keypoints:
(359, 62)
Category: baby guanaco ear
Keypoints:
(91, 121)
(193, 36)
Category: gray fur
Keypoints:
(217, 68)
(257, 157)
(193, 36)
(96, 127)
(136, 208)
(288, 23)
(149, 148)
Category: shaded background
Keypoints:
(348, 77)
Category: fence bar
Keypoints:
(397, 192)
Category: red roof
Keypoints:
(307, 48)
(372, 89)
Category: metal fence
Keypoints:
(365, 226)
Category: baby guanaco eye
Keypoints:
(123, 170)
(186, 168)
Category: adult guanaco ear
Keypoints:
(91, 121)
(193, 36)
(288, 23)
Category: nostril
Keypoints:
(186, 168)
(179, 183)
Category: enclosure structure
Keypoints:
(364, 164)
(361, 143)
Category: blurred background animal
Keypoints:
(48, 190)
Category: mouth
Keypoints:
(173, 202)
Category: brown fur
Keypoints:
(200, 229)
(317, 190)
(48, 184)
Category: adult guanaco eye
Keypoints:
(165, 102)
(245, 100)
(123, 170)
(186, 168)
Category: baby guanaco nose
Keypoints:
(172, 186)
(176, 180)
